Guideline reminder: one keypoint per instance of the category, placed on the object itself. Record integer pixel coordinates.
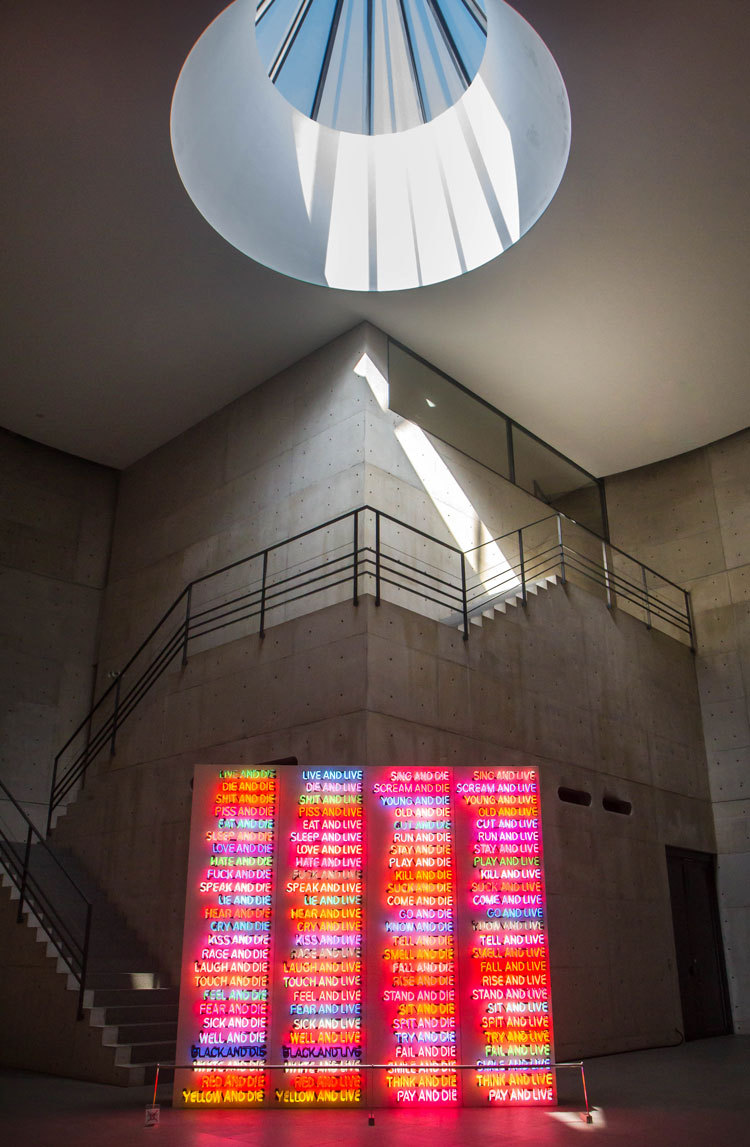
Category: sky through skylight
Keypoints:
(371, 66)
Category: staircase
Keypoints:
(125, 999)
(488, 610)
(490, 606)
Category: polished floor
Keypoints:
(696, 1095)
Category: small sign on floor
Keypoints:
(152, 1116)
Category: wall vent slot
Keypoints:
(574, 796)
(613, 804)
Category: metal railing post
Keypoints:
(586, 1095)
(186, 636)
(355, 560)
(262, 625)
(523, 567)
(464, 601)
(24, 874)
(51, 806)
(689, 616)
(84, 961)
(377, 557)
(563, 578)
(94, 674)
(113, 740)
(606, 574)
(645, 594)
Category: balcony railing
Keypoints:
(366, 550)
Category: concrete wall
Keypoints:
(55, 528)
(311, 443)
(593, 699)
(690, 518)
(288, 454)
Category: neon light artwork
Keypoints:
(417, 1033)
(226, 963)
(507, 1021)
(322, 919)
(343, 917)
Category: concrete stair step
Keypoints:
(502, 605)
(164, 1031)
(125, 980)
(506, 604)
(130, 1054)
(128, 997)
(114, 1015)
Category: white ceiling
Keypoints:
(616, 329)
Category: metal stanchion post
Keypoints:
(588, 1117)
(152, 1112)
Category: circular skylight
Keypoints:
(371, 66)
(347, 170)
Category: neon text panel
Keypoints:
(338, 918)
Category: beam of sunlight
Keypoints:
(366, 369)
(396, 253)
(306, 135)
(445, 492)
(477, 232)
(348, 252)
(496, 147)
(436, 245)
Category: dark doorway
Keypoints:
(697, 937)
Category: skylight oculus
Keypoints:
(360, 183)
(371, 66)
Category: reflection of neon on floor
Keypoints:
(447, 495)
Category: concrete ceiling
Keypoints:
(616, 329)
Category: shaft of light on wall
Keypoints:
(445, 492)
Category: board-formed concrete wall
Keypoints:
(689, 517)
(310, 443)
(55, 529)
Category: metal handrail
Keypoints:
(480, 596)
(452, 588)
(71, 948)
(638, 595)
(597, 538)
(441, 1068)
(685, 621)
(511, 533)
